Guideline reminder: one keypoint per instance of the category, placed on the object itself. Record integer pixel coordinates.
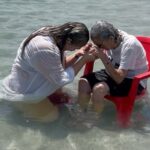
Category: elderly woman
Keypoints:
(122, 56)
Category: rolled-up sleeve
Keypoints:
(49, 65)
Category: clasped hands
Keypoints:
(91, 52)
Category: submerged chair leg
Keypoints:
(124, 112)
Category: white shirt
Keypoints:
(38, 74)
(129, 55)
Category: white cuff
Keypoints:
(70, 72)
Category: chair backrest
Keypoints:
(146, 44)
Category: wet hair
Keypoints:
(77, 33)
(104, 31)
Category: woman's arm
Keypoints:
(70, 60)
(90, 55)
(117, 74)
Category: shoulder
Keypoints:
(130, 41)
(43, 44)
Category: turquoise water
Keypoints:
(17, 19)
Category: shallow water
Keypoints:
(17, 19)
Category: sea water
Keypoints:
(18, 19)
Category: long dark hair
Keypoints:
(75, 31)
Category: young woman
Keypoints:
(41, 68)
(123, 57)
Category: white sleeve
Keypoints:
(128, 58)
(49, 65)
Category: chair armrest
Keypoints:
(135, 83)
(88, 67)
(143, 75)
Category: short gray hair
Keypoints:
(104, 30)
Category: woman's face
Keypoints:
(71, 47)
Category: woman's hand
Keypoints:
(91, 55)
(70, 60)
(83, 50)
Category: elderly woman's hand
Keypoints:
(99, 53)
(94, 52)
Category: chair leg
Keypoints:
(124, 114)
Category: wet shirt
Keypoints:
(38, 73)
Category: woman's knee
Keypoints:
(84, 85)
(100, 89)
(43, 111)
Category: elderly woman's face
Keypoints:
(104, 44)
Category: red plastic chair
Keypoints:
(124, 105)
